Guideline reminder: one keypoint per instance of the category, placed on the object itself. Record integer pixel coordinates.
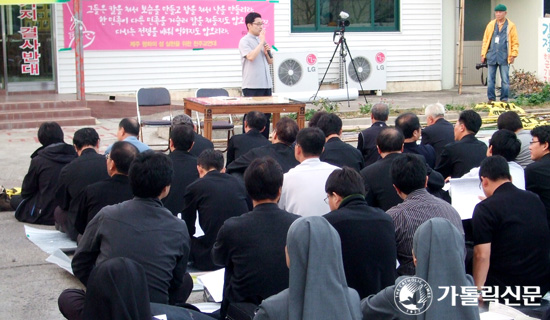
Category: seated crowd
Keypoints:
(306, 226)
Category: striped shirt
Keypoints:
(418, 207)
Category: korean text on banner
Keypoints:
(164, 24)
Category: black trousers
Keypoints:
(65, 223)
(259, 93)
(15, 201)
(71, 301)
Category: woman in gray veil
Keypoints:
(317, 283)
(438, 253)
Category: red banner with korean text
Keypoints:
(164, 24)
(30, 46)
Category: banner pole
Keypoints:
(79, 51)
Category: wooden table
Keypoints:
(242, 105)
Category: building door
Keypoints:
(477, 13)
(27, 59)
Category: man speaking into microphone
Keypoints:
(255, 59)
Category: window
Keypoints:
(364, 15)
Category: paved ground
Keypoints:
(29, 286)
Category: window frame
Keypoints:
(322, 28)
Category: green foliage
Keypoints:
(365, 108)
(324, 104)
(455, 107)
(534, 98)
(309, 114)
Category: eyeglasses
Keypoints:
(258, 23)
(107, 156)
(326, 200)
(534, 142)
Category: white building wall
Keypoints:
(414, 56)
(525, 15)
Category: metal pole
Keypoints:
(461, 48)
(4, 48)
(79, 51)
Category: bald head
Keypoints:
(390, 140)
(380, 112)
(122, 154)
(127, 127)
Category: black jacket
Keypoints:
(378, 184)
(185, 172)
(281, 152)
(88, 168)
(537, 180)
(40, 183)
(217, 197)
(438, 135)
(100, 194)
(242, 143)
(143, 230)
(340, 154)
(252, 249)
(459, 157)
(368, 245)
(379, 188)
(366, 142)
(201, 144)
(426, 151)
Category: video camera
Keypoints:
(343, 22)
(481, 65)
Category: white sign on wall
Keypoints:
(543, 46)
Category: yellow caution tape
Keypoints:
(495, 109)
(13, 191)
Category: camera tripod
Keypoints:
(344, 50)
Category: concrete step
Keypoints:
(35, 123)
(30, 114)
(40, 105)
(43, 114)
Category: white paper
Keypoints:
(494, 316)
(59, 258)
(208, 307)
(465, 193)
(49, 240)
(196, 285)
(198, 230)
(508, 312)
(213, 282)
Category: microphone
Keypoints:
(269, 54)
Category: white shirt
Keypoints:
(516, 171)
(304, 188)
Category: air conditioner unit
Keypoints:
(295, 71)
(371, 70)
